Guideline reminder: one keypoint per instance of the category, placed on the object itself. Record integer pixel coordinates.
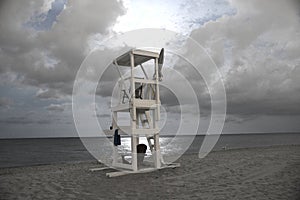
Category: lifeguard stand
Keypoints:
(140, 97)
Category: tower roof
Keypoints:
(140, 56)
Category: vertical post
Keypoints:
(132, 84)
(133, 117)
(157, 90)
(157, 151)
(134, 152)
(137, 122)
(157, 118)
(114, 127)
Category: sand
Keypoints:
(254, 173)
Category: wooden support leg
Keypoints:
(157, 151)
(134, 152)
(115, 155)
(114, 126)
(138, 126)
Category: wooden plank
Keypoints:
(144, 131)
(140, 55)
(145, 53)
(99, 169)
(140, 171)
(137, 80)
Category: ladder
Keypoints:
(147, 122)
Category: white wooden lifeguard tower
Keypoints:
(140, 97)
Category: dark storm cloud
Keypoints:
(255, 47)
(108, 81)
(257, 52)
(5, 102)
(41, 49)
(50, 59)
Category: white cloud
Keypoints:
(56, 107)
(256, 53)
(42, 62)
(175, 15)
(47, 94)
(50, 58)
(256, 47)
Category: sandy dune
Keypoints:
(256, 173)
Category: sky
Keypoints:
(254, 44)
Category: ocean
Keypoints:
(41, 151)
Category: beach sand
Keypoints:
(254, 173)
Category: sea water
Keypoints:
(26, 152)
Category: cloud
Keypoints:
(255, 44)
(5, 102)
(47, 94)
(56, 107)
(50, 58)
(41, 48)
(48, 15)
(255, 51)
(177, 15)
